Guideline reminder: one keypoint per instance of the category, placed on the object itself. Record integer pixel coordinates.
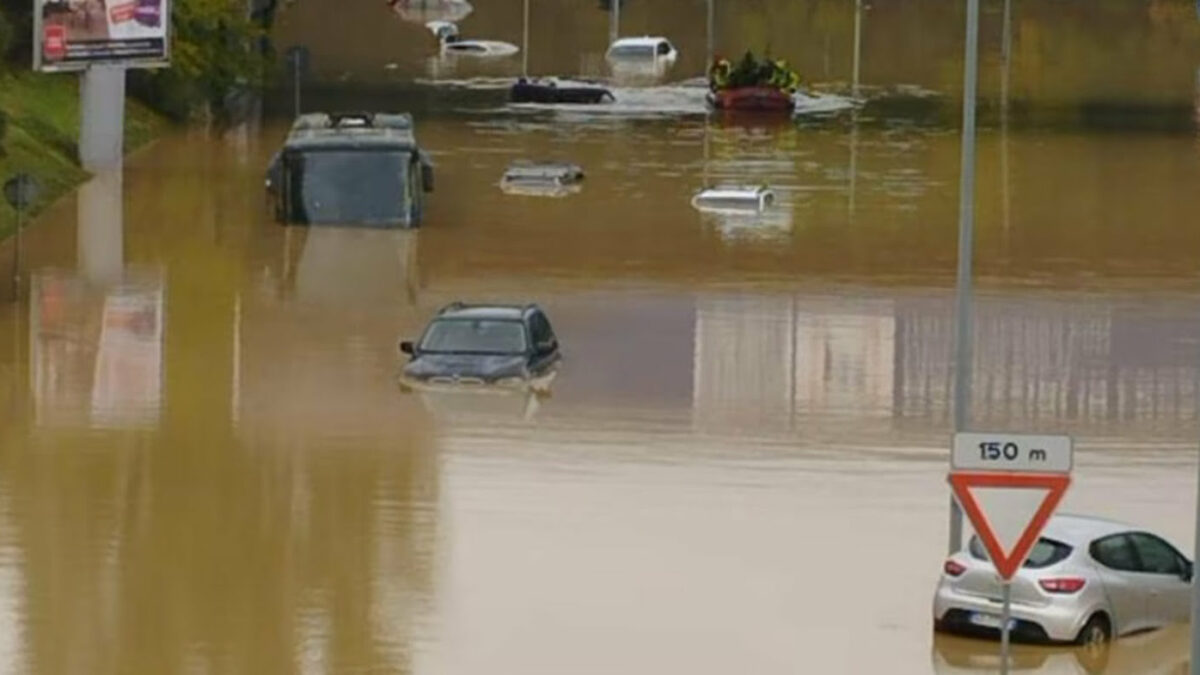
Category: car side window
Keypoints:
(1156, 555)
(540, 329)
(1115, 552)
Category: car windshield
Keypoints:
(475, 336)
(350, 186)
(1045, 552)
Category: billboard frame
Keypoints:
(41, 64)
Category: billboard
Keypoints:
(74, 34)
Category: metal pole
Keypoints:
(712, 46)
(296, 85)
(525, 43)
(16, 263)
(1006, 49)
(1005, 617)
(966, 226)
(614, 29)
(853, 161)
(857, 43)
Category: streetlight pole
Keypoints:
(966, 231)
(858, 8)
(614, 30)
(525, 46)
(712, 47)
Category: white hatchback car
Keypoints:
(1086, 581)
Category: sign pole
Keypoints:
(16, 263)
(966, 227)
(20, 192)
(1005, 617)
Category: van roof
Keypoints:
(322, 130)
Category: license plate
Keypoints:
(990, 621)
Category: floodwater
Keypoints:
(206, 465)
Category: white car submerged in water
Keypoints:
(641, 57)
(1087, 580)
(450, 42)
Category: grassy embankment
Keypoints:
(43, 129)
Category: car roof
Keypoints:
(327, 130)
(644, 41)
(1078, 530)
(543, 171)
(734, 192)
(459, 310)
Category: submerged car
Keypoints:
(1086, 581)
(555, 90)
(542, 179)
(646, 49)
(450, 42)
(734, 199)
(505, 345)
(350, 169)
(634, 59)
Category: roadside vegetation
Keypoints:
(216, 50)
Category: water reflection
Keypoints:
(177, 519)
(1162, 652)
(96, 335)
(97, 353)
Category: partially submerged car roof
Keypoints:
(643, 41)
(323, 130)
(556, 172)
(460, 310)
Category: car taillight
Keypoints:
(1062, 585)
(954, 568)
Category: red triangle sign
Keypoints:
(1012, 508)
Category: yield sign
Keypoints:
(1008, 511)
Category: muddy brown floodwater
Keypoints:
(206, 465)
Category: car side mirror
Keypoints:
(406, 347)
(1188, 571)
(547, 347)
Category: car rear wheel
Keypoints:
(1093, 640)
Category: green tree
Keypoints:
(215, 50)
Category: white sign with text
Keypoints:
(1023, 453)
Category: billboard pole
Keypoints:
(102, 116)
(966, 231)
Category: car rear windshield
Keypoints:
(1045, 552)
(475, 336)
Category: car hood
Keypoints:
(487, 366)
